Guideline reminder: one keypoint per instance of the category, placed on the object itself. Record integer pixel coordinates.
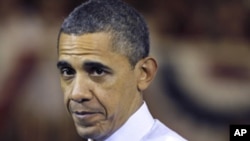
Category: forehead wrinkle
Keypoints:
(81, 41)
(80, 50)
(81, 46)
(77, 44)
(90, 44)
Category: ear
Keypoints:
(146, 68)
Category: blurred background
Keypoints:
(202, 86)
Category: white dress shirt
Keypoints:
(141, 126)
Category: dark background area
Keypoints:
(202, 86)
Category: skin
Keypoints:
(101, 89)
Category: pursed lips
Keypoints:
(79, 113)
(85, 116)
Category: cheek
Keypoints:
(118, 90)
(65, 90)
(109, 95)
(127, 84)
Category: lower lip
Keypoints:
(85, 119)
(84, 116)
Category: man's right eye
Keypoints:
(67, 72)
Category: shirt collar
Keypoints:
(135, 127)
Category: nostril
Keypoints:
(80, 100)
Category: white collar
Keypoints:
(137, 126)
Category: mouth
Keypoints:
(86, 118)
(84, 114)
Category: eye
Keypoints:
(67, 72)
(97, 71)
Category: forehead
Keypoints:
(97, 47)
(93, 42)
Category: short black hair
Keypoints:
(128, 29)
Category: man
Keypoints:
(104, 62)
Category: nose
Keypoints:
(81, 91)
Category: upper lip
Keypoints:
(79, 109)
(83, 112)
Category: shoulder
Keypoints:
(160, 132)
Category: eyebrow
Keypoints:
(88, 64)
(62, 64)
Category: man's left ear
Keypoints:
(146, 70)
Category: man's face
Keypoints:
(99, 85)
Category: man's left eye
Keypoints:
(97, 72)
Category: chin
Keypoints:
(90, 132)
